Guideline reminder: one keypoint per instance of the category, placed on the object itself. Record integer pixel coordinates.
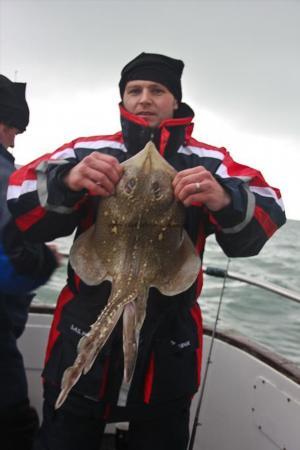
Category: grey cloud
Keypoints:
(241, 57)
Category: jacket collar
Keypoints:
(5, 153)
(168, 137)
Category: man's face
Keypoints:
(150, 100)
(7, 135)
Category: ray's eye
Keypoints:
(156, 190)
(130, 185)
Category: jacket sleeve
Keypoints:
(24, 266)
(255, 213)
(42, 206)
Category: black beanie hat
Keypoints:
(154, 67)
(14, 110)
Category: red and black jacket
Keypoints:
(169, 358)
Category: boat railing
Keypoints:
(271, 287)
(213, 272)
(278, 362)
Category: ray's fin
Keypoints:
(85, 259)
(182, 273)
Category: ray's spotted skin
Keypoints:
(137, 242)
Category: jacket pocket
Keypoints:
(64, 354)
(174, 369)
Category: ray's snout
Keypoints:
(148, 161)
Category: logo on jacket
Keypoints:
(77, 330)
(181, 344)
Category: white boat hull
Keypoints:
(247, 403)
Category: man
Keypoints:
(24, 266)
(220, 196)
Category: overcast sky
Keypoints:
(241, 76)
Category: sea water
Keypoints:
(267, 318)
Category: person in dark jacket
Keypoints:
(24, 266)
(221, 196)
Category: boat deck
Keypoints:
(249, 391)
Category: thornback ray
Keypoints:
(137, 242)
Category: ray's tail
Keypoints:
(90, 345)
(133, 318)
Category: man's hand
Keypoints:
(97, 172)
(199, 185)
